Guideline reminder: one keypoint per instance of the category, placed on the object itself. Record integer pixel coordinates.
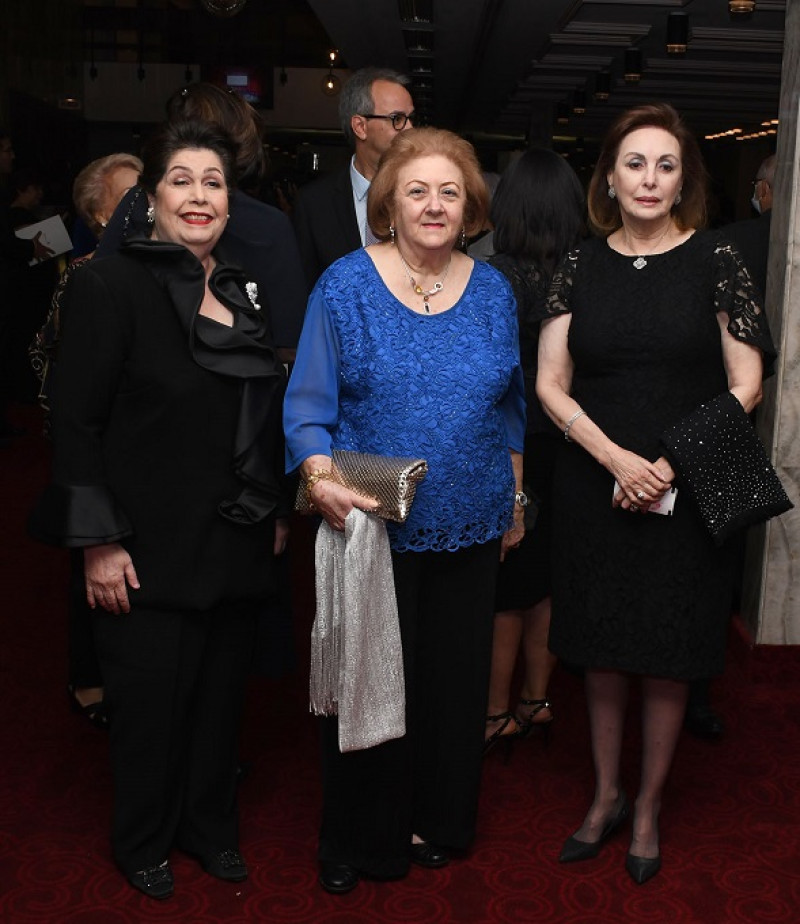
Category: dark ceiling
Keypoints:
(495, 67)
(503, 66)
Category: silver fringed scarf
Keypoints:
(356, 652)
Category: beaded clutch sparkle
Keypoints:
(390, 480)
(721, 461)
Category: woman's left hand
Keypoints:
(281, 535)
(512, 537)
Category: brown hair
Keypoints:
(210, 103)
(91, 186)
(411, 145)
(691, 211)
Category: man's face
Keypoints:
(376, 135)
(6, 155)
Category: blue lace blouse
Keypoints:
(374, 376)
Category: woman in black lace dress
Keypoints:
(646, 324)
(538, 215)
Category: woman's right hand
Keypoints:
(107, 568)
(334, 502)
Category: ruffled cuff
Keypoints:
(75, 516)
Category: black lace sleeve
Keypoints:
(559, 297)
(737, 295)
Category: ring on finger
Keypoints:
(640, 495)
(633, 507)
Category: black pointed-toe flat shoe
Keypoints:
(575, 850)
(337, 878)
(227, 865)
(640, 869)
(154, 882)
(428, 855)
(702, 722)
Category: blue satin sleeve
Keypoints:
(311, 406)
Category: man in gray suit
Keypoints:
(330, 214)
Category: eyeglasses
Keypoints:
(398, 119)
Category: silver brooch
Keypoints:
(252, 293)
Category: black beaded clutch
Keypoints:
(724, 468)
(391, 480)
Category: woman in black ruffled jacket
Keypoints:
(166, 428)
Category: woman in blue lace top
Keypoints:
(410, 349)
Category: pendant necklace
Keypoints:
(437, 286)
(640, 262)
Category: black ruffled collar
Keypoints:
(244, 351)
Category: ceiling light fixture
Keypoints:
(224, 7)
(677, 33)
(331, 84)
(741, 7)
(633, 65)
(602, 85)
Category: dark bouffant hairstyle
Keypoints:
(180, 136)
(538, 209)
(691, 212)
(411, 145)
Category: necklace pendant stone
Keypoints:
(639, 263)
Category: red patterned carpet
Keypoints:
(730, 829)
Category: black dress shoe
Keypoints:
(575, 850)
(428, 855)
(227, 865)
(337, 878)
(155, 882)
(703, 722)
(640, 869)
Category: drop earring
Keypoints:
(678, 199)
(463, 238)
(612, 193)
(391, 233)
(151, 215)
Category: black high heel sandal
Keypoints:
(528, 725)
(505, 737)
(93, 712)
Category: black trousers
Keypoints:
(426, 783)
(174, 685)
(84, 668)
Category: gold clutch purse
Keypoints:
(390, 480)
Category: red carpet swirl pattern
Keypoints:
(730, 822)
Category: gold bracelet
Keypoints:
(321, 474)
